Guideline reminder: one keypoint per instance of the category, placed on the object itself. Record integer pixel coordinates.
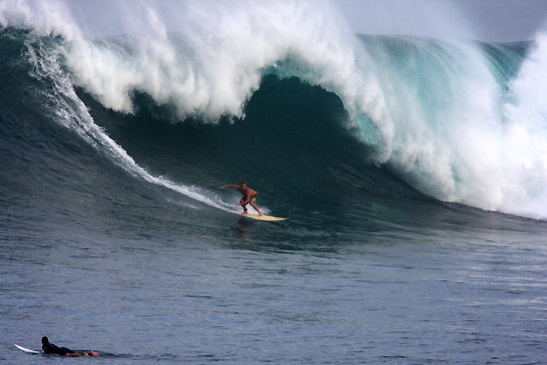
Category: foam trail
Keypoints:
(73, 114)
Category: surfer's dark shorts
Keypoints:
(253, 199)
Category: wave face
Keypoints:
(280, 94)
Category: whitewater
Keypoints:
(413, 171)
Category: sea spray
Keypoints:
(525, 116)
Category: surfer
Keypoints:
(50, 348)
(249, 196)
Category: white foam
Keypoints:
(526, 139)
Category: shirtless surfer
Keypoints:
(249, 196)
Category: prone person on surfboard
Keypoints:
(249, 196)
(50, 348)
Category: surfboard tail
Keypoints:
(266, 218)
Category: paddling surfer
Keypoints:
(249, 196)
(50, 348)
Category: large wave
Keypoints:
(459, 120)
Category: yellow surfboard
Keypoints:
(266, 218)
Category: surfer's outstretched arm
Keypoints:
(230, 186)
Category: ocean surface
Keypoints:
(413, 171)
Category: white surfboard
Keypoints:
(27, 350)
(267, 218)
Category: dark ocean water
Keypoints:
(400, 248)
